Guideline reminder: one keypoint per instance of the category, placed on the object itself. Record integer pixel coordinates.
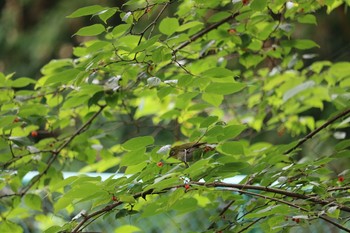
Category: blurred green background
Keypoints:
(32, 32)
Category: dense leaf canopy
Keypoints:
(218, 111)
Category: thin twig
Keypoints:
(221, 213)
(250, 224)
(154, 22)
(273, 190)
(294, 206)
(323, 126)
(239, 188)
(57, 152)
(338, 189)
(204, 31)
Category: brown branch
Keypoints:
(272, 190)
(251, 224)
(56, 153)
(338, 189)
(239, 188)
(294, 206)
(323, 126)
(211, 226)
(109, 208)
(204, 31)
(153, 23)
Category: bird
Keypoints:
(186, 152)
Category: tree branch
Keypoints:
(323, 126)
(239, 188)
(55, 155)
(211, 226)
(294, 206)
(204, 31)
(273, 190)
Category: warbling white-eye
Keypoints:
(186, 152)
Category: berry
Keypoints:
(34, 133)
(231, 31)
(187, 186)
(114, 198)
(297, 220)
(16, 120)
(245, 2)
(340, 178)
(208, 148)
(160, 164)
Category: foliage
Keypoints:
(221, 72)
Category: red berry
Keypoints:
(16, 120)
(340, 178)
(160, 164)
(245, 2)
(187, 186)
(297, 220)
(34, 133)
(208, 148)
(114, 198)
(231, 31)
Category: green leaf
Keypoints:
(105, 14)
(189, 25)
(333, 212)
(232, 131)
(127, 229)
(224, 88)
(310, 19)
(78, 191)
(218, 16)
(89, 10)
(33, 110)
(338, 72)
(126, 198)
(8, 226)
(343, 145)
(258, 5)
(270, 210)
(75, 101)
(295, 90)
(163, 183)
(138, 143)
(208, 121)
(120, 30)
(300, 44)
(22, 82)
(185, 205)
(62, 77)
(232, 148)
(133, 157)
(168, 26)
(214, 99)
(33, 201)
(146, 44)
(92, 30)
(218, 72)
